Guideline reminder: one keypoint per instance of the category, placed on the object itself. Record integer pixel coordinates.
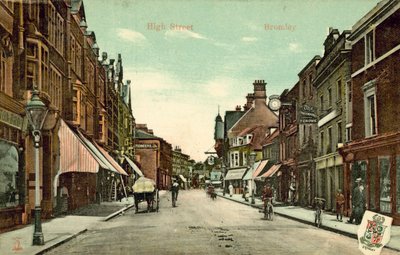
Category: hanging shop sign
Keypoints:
(308, 114)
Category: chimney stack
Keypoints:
(260, 95)
(249, 102)
(238, 108)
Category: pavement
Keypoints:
(61, 229)
(329, 221)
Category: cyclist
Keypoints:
(267, 196)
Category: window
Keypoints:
(339, 89)
(9, 185)
(385, 194)
(339, 132)
(3, 71)
(55, 87)
(330, 97)
(76, 105)
(370, 109)
(369, 47)
(304, 134)
(310, 80)
(321, 103)
(372, 182)
(78, 61)
(321, 143)
(348, 134)
(73, 53)
(304, 89)
(330, 142)
(244, 158)
(37, 65)
(349, 107)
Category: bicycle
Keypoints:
(319, 204)
(268, 209)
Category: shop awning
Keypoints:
(78, 154)
(235, 174)
(111, 160)
(250, 172)
(134, 166)
(182, 178)
(271, 171)
(260, 167)
(74, 155)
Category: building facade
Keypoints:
(333, 72)
(372, 153)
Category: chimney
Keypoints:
(238, 108)
(249, 102)
(150, 131)
(260, 96)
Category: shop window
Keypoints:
(385, 194)
(398, 183)
(9, 179)
(372, 182)
(358, 170)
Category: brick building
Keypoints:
(154, 155)
(373, 152)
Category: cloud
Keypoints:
(294, 47)
(148, 79)
(184, 34)
(249, 39)
(130, 35)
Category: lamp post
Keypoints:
(36, 112)
(252, 159)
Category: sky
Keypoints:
(186, 58)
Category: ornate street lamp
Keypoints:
(252, 159)
(36, 112)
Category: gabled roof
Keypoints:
(231, 117)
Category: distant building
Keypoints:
(180, 167)
(154, 155)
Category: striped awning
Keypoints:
(250, 172)
(116, 166)
(78, 154)
(271, 171)
(260, 167)
(134, 166)
(74, 155)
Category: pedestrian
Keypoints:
(174, 192)
(358, 203)
(339, 205)
(230, 189)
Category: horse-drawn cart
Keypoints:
(144, 189)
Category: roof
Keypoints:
(139, 134)
(231, 117)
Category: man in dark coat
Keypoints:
(358, 203)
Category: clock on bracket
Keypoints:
(274, 103)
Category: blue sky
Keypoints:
(179, 77)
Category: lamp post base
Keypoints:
(38, 238)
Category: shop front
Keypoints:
(376, 161)
(329, 176)
(12, 174)
(234, 177)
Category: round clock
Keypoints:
(274, 104)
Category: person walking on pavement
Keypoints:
(230, 189)
(339, 205)
(358, 203)
(174, 192)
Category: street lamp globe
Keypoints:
(36, 111)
